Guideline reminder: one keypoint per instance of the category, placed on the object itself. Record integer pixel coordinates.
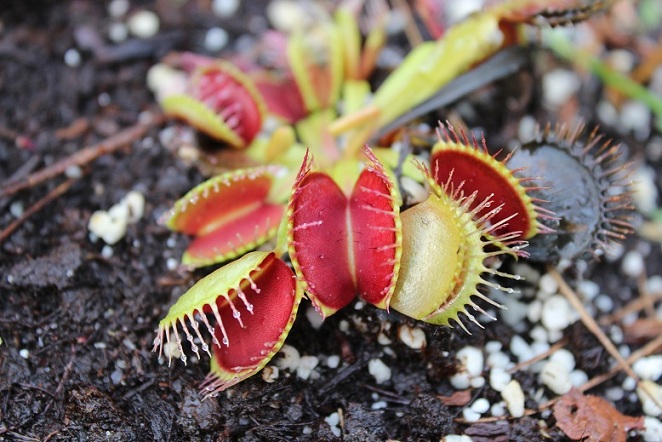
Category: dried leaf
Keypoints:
(591, 418)
(457, 399)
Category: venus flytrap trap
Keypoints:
(335, 206)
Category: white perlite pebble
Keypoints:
(498, 360)
(520, 348)
(135, 203)
(493, 346)
(16, 209)
(306, 366)
(412, 337)
(380, 371)
(24, 353)
(633, 264)
(118, 8)
(653, 429)
(470, 415)
(629, 384)
(604, 303)
(314, 317)
(290, 360)
(514, 398)
(588, 289)
(333, 361)
(471, 358)
(645, 190)
(480, 405)
(565, 358)
(144, 24)
(216, 39)
(647, 403)
(333, 420)
(558, 86)
(556, 377)
(456, 438)
(460, 381)
(111, 226)
(499, 378)
(648, 368)
(556, 313)
(548, 284)
(72, 58)
(578, 378)
(477, 382)
(498, 409)
(224, 8)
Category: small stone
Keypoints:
(477, 382)
(548, 284)
(557, 313)
(604, 303)
(106, 227)
(224, 8)
(647, 403)
(107, 252)
(499, 379)
(382, 339)
(460, 381)
(306, 366)
(290, 358)
(16, 209)
(456, 438)
(470, 415)
(412, 337)
(471, 358)
(333, 361)
(493, 346)
(270, 374)
(144, 24)
(333, 420)
(117, 32)
(72, 58)
(513, 395)
(633, 264)
(559, 85)
(172, 263)
(116, 376)
(588, 289)
(520, 348)
(480, 405)
(653, 429)
(24, 353)
(629, 384)
(216, 39)
(565, 358)
(135, 203)
(379, 405)
(498, 409)
(498, 360)
(578, 378)
(648, 368)
(555, 376)
(380, 371)
(314, 317)
(118, 8)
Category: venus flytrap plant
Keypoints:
(342, 226)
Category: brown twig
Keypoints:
(635, 305)
(83, 157)
(58, 191)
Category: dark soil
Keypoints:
(77, 327)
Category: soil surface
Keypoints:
(77, 322)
